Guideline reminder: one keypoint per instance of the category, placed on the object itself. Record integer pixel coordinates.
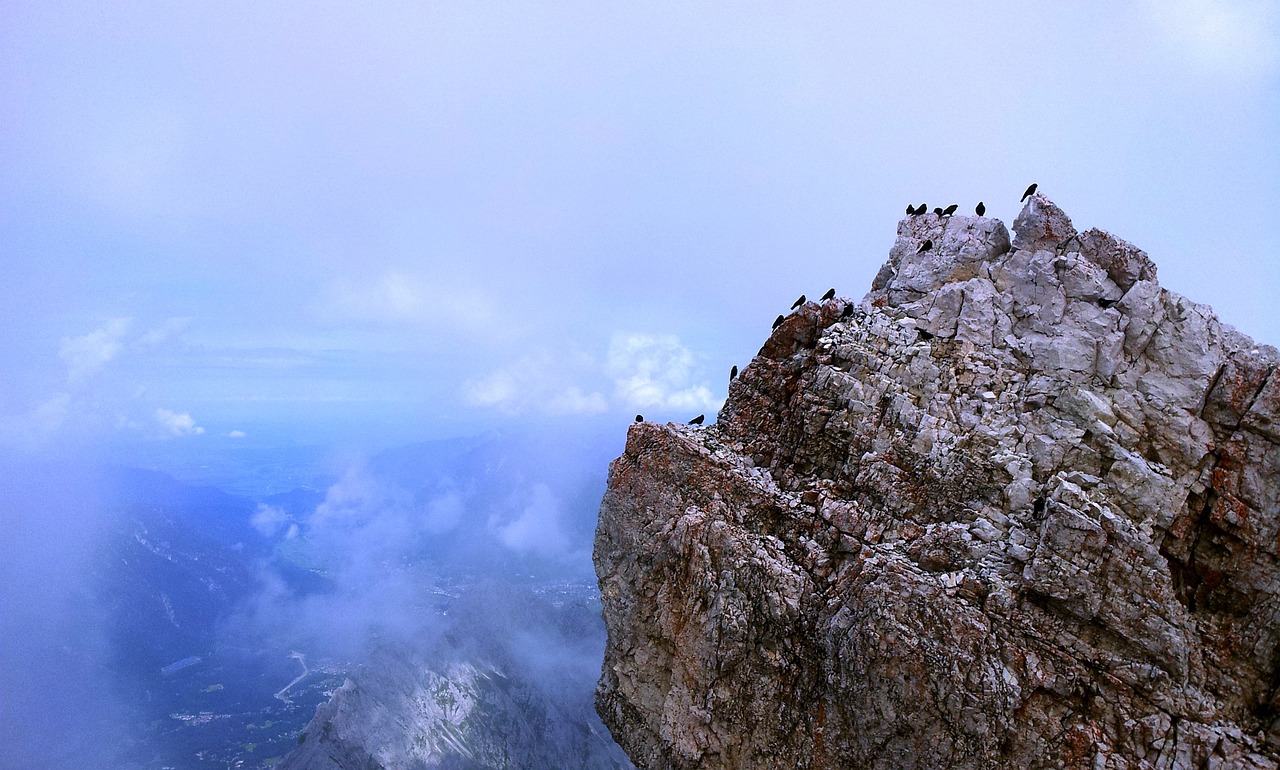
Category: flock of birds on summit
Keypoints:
(980, 210)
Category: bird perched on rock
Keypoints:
(949, 210)
(928, 244)
(910, 209)
(798, 302)
(830, 293)
(733, 373)
(777, 322)
(639, 418)
(980, 209)
(918, 210)
(848, 310)
(1030, 191)
(938, 210)
(698, 420)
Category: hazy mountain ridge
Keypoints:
(488, 636)
(507, 686)
(1020, 507)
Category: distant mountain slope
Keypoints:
(508, 686)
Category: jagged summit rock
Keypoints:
(1042, 224)
(1019, 508)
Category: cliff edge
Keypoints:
(1017, 508)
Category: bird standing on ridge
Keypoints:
(848, 310)
(1030, 191)
(733, 373)
(928, 244)
(980, 209)
(698, 420)
(798, 302)
(639, 418)
(830, 293)
(778, 321)
(910, 209)
(949, 210)
(937, 210)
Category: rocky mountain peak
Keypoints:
(1016, 508)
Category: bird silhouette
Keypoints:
(923, 207)
(938, 210)
(698, 420)
(848, 310)
(949, 210)
(1030, 191)
(733, 373)
(639, 418)
(777, 322)
(928, 244)
(830, 293)
(980, 209)
(798, 302)
(910, 209)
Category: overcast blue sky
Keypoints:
(231, 222)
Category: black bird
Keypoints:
(928, 244)
(639, 418)
(938, 210)
(910, 209)
(980, 209)
(733, 373)
(1030, 191)
(698, 420)
(798, 302)
(777, 322)
(923, 207)
(848, 310)
(830, 293)
(949, 210)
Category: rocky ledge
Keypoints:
(1017, 508)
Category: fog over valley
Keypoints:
(172, 619)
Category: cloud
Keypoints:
(236, 434)
(178, 423)
(1240, 38)
(572, 400)
(164, 331)
(657, 371)
(89, 353)
(444, 512)
(537, 529)
(50, 414)
(647, 371)
(270, 519)
(397, 298)
(367, 537)
(538, 383)
(37, 427)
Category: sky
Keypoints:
(233, 222)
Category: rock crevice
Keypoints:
(1018, 507)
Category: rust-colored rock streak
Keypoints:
(1018, 509)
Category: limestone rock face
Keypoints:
(1019, 509)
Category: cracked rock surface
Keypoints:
(1019, 508)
